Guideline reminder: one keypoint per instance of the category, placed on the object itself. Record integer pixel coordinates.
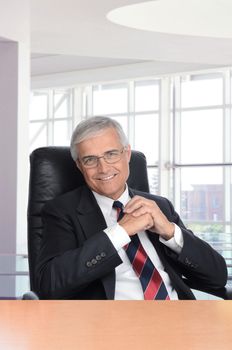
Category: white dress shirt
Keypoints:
(128, 286)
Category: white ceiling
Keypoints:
(44, 64)
(69, 35)
(192, 17)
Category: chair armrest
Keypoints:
(223, 293)
(228, 293)
(30, 296)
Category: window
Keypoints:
(51, 118)
(110, 99)
(202, 160)
(136, 106)
(183, 125)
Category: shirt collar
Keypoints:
(106, 203)
(124, 198)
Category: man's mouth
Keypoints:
(106, 178)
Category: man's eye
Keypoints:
(89, 160)
(112, 153)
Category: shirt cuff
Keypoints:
(176, 243)
(118, 236)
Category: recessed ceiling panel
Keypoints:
(206, 18)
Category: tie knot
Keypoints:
(119, 207)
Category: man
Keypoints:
(147, 254)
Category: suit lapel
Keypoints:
(89, 213)
(92, 220)
(131, 192)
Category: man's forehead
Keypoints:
(107, 137)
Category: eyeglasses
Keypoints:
(110, 157)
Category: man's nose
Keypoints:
(102, 165)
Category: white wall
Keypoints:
(14, 20)
(14, 102)
(8, 150)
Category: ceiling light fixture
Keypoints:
(184, 17)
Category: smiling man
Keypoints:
(106, 175)
(107, 241)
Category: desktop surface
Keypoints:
(143, 325)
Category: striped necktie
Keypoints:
(150, 279)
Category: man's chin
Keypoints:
(109, 192)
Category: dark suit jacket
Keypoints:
(77, 260)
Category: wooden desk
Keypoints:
(91, 325)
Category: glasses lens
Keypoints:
(90, 161)
(112, 156)
(109, 157)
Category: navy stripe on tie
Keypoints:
(162, 293)
(146, 273)
(131, 251)
(135, 240)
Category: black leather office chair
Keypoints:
(53, 172)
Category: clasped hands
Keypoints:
(142, 214)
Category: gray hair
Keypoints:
(92, 127)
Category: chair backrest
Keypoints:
(52, 173)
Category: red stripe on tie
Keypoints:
(139, 260)
(153, 286)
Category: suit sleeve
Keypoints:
(67, 264)
(204, 267)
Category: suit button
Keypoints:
(88, 264)
(103, 254)
(194, 266)
(98, 257)
(94, 261)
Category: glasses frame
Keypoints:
(96, 158)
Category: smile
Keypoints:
(107, 178)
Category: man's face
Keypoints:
(106, 179)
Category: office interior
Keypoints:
(168, 85)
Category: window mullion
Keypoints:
(176, 141)
(78, 102)
(164, 134)
(227, 148)
(89, 101)
(50, 127)
(131, 113)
